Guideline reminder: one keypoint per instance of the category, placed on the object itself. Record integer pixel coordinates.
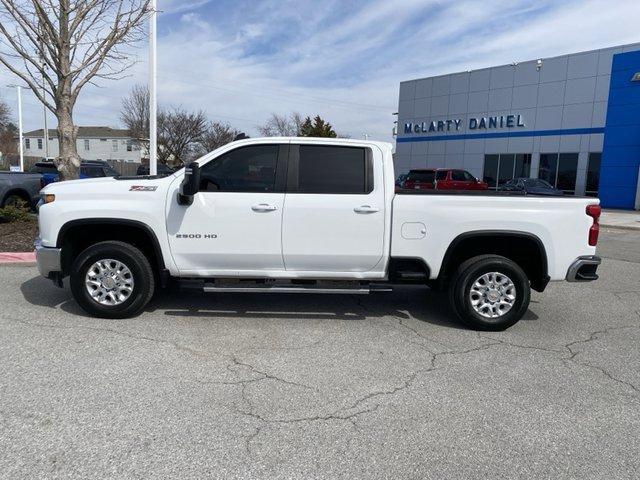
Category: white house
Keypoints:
(94, 143)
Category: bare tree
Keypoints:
(135, 114)
(181, 134)
(282, 125)
(216, 135)
(178, 132)
(66, 45)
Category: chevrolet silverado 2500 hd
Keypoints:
(293, 215)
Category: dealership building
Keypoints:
(572, 120)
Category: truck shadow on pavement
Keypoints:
(419, 304)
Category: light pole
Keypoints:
(44, 109)
(20, 146)
(153, 126)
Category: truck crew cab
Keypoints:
(293, 215)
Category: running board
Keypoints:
(349, 291)
(315, 287)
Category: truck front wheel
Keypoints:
(489, 292)
(112, 280)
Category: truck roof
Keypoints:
(315, 140)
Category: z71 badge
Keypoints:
(143, 188)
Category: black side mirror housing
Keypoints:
(190, 184)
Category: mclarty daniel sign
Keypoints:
(474, 123)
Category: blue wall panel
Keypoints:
(621, 152)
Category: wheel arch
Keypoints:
(93, 230)
(507, 243)
(21, 192)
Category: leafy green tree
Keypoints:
(317, 128)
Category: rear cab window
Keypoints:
(330, 169)
(42, 169)
(92, 171)
(422, 177)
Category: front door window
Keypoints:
(246, 169)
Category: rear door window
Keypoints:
(441, 175)
(330, 169)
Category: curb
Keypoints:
(626, 228)
(17, 257)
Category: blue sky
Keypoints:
(241, 60)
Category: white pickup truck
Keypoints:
(296, 215)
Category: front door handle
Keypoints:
(366, 209)
(264, 207)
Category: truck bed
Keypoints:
(559, 223)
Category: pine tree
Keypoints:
(317, 128)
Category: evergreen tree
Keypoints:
(317, 128)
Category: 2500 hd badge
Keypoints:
(196, 235)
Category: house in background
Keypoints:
(94, 143)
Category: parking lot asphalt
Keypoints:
(381, 386)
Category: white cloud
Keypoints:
(177, 6)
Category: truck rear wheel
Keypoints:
(489, 292)
(112, 280)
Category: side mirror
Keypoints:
(190, 184)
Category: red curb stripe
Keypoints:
(17, 257)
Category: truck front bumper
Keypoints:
(583, 269)
(49, 261)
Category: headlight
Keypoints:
(48, 197)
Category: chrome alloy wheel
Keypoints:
(492, 295)
(109, 282)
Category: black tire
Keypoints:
(135, 261)
(462, 283)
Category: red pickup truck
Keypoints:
(442, 179)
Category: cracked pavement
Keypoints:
(266, 386)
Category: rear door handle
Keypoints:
(366, 209)
(264, 207)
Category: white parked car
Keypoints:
(309, 215)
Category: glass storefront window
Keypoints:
(559, 169)
(523, 166)
(490, 176)
(593, 174)
(567, 169)
(548, 167)
(500, 168)
(505, 168)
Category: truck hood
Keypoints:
(105, 185)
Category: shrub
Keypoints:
(11, 213)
